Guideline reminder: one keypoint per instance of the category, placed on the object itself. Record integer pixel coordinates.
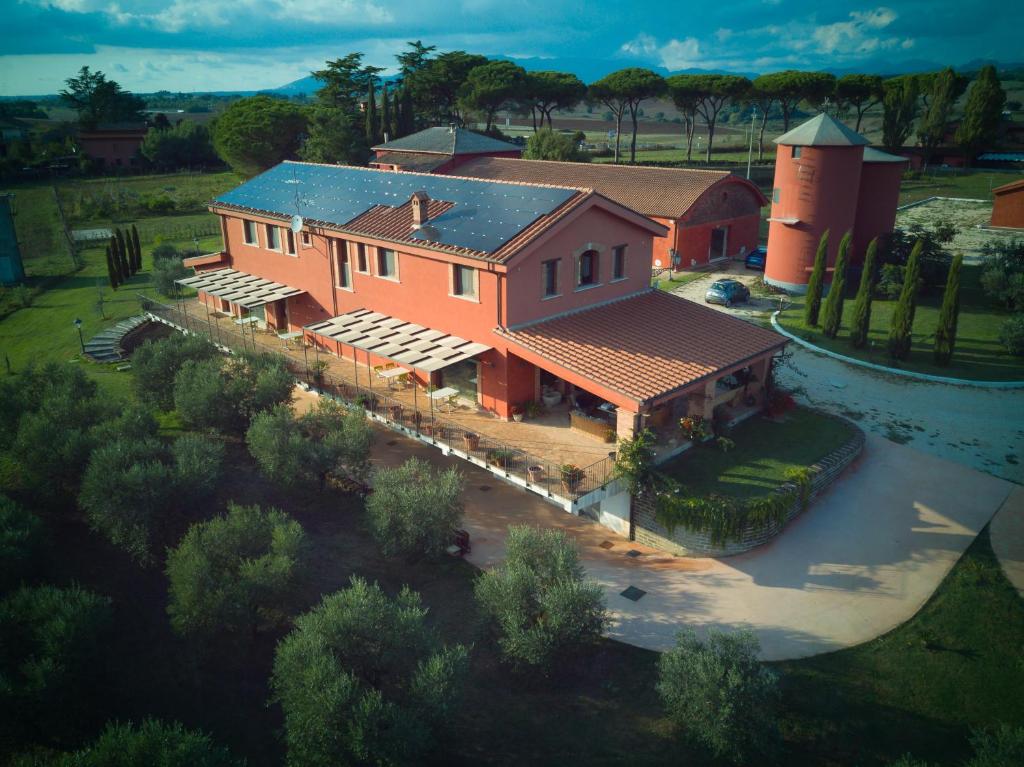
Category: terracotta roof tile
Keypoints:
(646, 345)
(662, 192)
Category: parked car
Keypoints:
(756, 259)
(726, 292)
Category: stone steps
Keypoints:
(105, 346)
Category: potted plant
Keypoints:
(501, 457)
(535, 474)
(534, 410)
(693, 428)
(517, 413)
(471, 440)
(571, 475)
(318, 367)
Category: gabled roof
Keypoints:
(1011, 187)
(449, 141)
(612, 343)
(823, 130)
(662, 192)
(420, 162)
(876, 155)
(492, 220)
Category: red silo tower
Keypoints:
(817, 178)
(877, 200)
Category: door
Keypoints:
(719, 242)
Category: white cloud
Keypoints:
(641, 45)
(859, 35)
(674, 54)
(723, 34)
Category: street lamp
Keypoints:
(78, 326)
(750, 149)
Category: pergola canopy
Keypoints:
(240, 288)
(404, 342)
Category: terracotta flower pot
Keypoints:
(471, 440)
(535, 474)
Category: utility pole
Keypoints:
(750, 147)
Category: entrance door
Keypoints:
(719, 242)
(464, 376)
(260, 313)
(280, 315)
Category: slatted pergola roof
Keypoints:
(240, 288)
(404, 342)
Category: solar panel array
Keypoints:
(484, 216)
(404, 342)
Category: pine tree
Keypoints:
(812, 305)
(111, 270)
(903, 316)
(396, 116)
(137, 247)
(371, 114)
(860, 325)
(945, 333)
(982, 112)
(385, 111)
(408, 124)
(836, 293)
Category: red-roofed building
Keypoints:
(1008, 205)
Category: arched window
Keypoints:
(588, 268)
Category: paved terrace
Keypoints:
(547, 441)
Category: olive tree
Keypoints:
(151, 743)
(414, 510)
(720, 694)
(234, 572)
(21, 538)
(361, 679)
(156, 363)
(538, 602)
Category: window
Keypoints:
(387, 264)
(307, 239)
(776, 194)
(289, 242)
(619, 262)
(249, 232)
(463, 281)
(361, 265)
(796, 152)
(273, 237)
(342, 267)
(551, 277)
(588, 269)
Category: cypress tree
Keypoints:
(385, 110)
(408, 124)
(396, 116)
(118, 270)
(903, 316)
(137, 247)
(111, 270)
(834, 301)
(861, 323)
(122, 248)
(945, 334)
(371, 113)
(812, 306)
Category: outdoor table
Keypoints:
(391, 373)
(287, 337)
(246, 320)
(445, 393)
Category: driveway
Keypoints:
(861, 561)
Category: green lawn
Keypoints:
(676, 279)
(975, 185)
(978, 356)
(765, 449)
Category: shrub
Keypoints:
(933, 259)
(1003, 276)
(21, 537)
(362, 680)
(166, 252)
(725, 444)
(151, 743)
(198, 462)
(414, 509)
(1011, 335)
(812, 303)
(634, 461)
(1000, 746)
(890, 282)
(165, 273)
(693, 428)
(545, 144)
(537, 601)
(234, 572)
(720, 694)
(50, 639)
(156, 363)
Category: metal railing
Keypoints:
(538, 474)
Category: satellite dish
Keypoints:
(296, 225)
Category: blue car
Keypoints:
(727, 292)
(756, 259)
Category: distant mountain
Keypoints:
(306, 86)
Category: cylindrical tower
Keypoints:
(877, 200)
(817, 177)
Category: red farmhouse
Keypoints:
(439, 150)
(113, 146)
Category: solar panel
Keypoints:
(484, 214)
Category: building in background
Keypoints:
(113, 146)
(11, 270)
(1008, 205)
(439, 150)
(827, 179)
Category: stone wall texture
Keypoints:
(697, 544)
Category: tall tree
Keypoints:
(124, 252)
(836, 293)
(258, 132)
(409, 63)
(544, 92)
(945, 88)
(345, 82)
(899, 105)
(812, 304)
(761, 102)
(385, 112)
(685, 100)
(122, 272)
(491, 86)
(903, 316)
(712, 92)
(949, 314)
(437, 84)
(112, 272)
(99, 100)
(984, 107)
(372, 129)
(625, 90)
(137, 247)
(334, 138)
(860, 93)
(790, 87)
(860, 325)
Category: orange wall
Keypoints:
(820, 189)
(1008, 208)
(877, 200)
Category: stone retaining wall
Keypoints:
(683, 542)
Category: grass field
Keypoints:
(975, 185)
(764, 451)
(978, 354)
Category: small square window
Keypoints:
(306, 239)
(796, 152)
(551, 277)
(273, 237)
(619, 262)
(249, 233)
(463, 281)
(387, 264)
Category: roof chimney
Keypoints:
(419, 202)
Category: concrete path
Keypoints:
(860, 562)
(1007, 534)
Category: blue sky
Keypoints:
(149, 45)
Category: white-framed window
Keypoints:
(362, 263)
(619, 262)
(273, 237)
(342, 265)
(549, 272)
(587, 269)
(306, 239)
(249, 232)
(796, 152)
(464, 281)
(289, 242)
(387, 264)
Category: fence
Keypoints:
(537, 474)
